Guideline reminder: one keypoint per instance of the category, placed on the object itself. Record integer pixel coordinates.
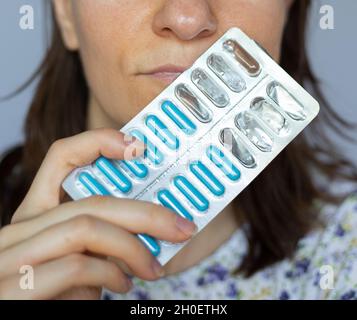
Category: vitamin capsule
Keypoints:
(178, 117)
(235, 145)
(162, 132)
(286, 101)
(230, 77)
(137, 168)
(193, 103)
(270, 116)
(247, 124)
(114, 175)
(249, 64)
(152, 152)
(97, 189)
(223, 163)
(207, 178)
(92, 185)
(168, 200)
(191, 193)
(150, 243)
(210, 88)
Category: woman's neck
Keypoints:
(216, 233)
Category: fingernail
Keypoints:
(157, 268)
(185, 225)
(132, 141)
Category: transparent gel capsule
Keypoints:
(233, 143)
(210, 88)
(230, 77)
(286, 101)
(270, 116)
(192, 103)
(241, 55)
(248, 125)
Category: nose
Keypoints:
(185, 19)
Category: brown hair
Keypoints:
(277, 205)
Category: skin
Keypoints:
(78, 247)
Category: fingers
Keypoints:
(57, 276)
(67, 154)
(132, 215)
(78, 235)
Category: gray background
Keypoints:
(333, 53)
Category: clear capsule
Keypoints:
(286, 101)
(230, 140)
(225, 72)
(210, 88)
(250, 65)
(249, 126)
(192, 103)
(270, 116)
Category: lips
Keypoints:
(166, 73)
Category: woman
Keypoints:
(107, 60)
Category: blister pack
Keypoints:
(207, 136)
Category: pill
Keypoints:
(97, 189)
(150, 243)
(210, 88)
(137, 168)
(248, 125)
(178, 117)
(270, 116)
(92, 185)
(168, 200)
(222, 162)
(230, 140)
(225, 72)
(207, 178)
(114, 175)
(245, 59)
(193, 103)
(191, 193)
(162, 132)
(151, 152)
(286, 101)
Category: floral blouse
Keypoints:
(324, 267)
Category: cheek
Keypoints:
(102, 47)
(262, 20)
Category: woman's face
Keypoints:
(132, 49)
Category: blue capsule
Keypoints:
(168, 200)
(114, 175)
(207, 178)
(92, 185)
(150, 243)
(152, 153)
(137, 168)
(162, 132)
(191, 193)
(223, 163)
(178, 117)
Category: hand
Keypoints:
(68, 244)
